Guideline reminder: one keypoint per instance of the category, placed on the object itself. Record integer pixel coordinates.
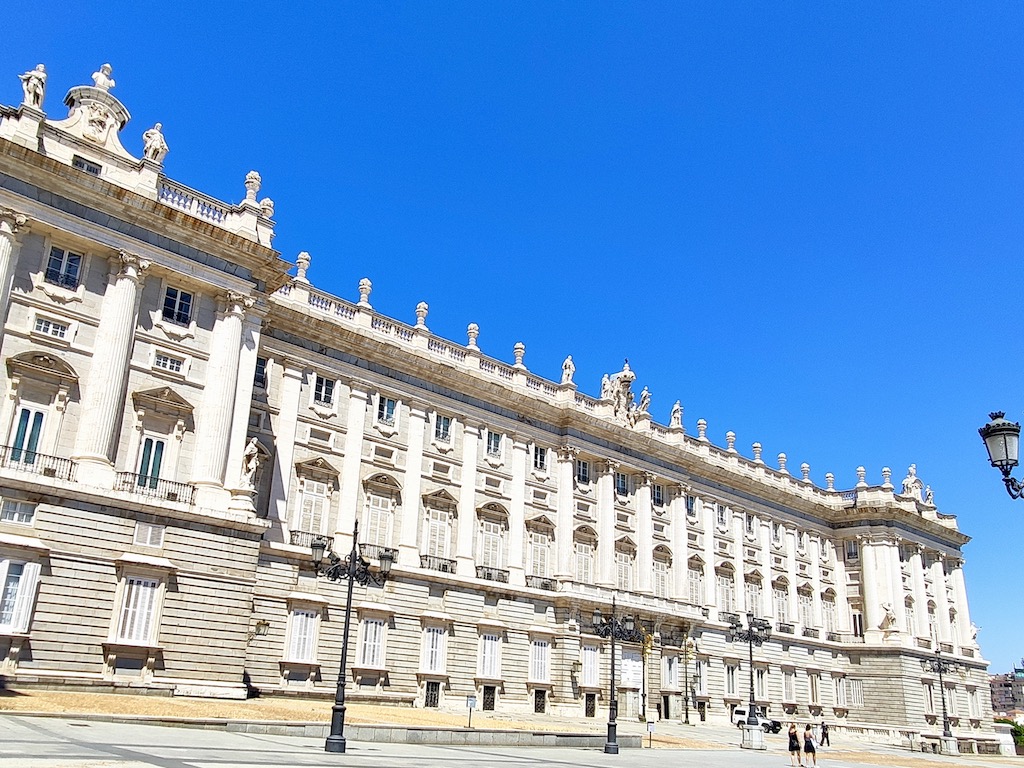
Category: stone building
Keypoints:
(1007, 690)
(185, 412)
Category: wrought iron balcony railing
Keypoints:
(442, 564)
(304, 539)
(491, 574)
(541, 582)
(810, 632)
(374, 551)
(154, 487)
(37, 463)
(786, 628)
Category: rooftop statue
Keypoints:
(33, 83)
(102, 79)
(912, 485)
(676, 417)
(568, 369)
(154, 146)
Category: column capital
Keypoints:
(237, 303)
(11, 222)
(645, 478)
(129, 265)
(567, 452)
(607, 466)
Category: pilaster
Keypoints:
(941, 601)
(564, 473)
(869, 589)
(351, 466)
(11, 224)
(920, 595)
(412, 484)
(680, 542)
(605, 575)
(517, 512)
(467, 501)
(285, 424)
(644, 531)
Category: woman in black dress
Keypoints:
(809, 749)
(794, 745)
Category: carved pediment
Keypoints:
(162, 400)
(316, 467)
(44, 366)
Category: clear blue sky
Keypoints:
(805, 221)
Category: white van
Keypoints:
(739, 718)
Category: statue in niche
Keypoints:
(675, 420)
(250, 463)
(888, 621)
(33, 83)
(912, 485)
(102, 79)
(154, 146)
(568, 369)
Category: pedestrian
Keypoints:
(794, 746)
(810, 753)
(824, 734)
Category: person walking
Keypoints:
(794, 745)
(810, 753)
(824, 734)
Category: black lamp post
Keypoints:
(1002, 441)
(940, 666)
(756, 633)
(689, 650)
(354, 568)
(616, 628)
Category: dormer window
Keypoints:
(177, 306)
(63, 268)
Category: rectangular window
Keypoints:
(624, 568)
(259, 378)
(490, 656)
(814, 688)
(443, 429)
(539, 546)
(167, 363)
(79, 162)
(752, 593)
(761, 683)
(726, 592)
(28, 429)
(781, 598)
(310, 516)
(584, 562)
(149, 535)
(857, 620)
(929, 698)
(150, 462)
(699, 678)
(852, 550)
(17, 594)
(177, 306)
(670, 672)
(806, 605)
(323, 391)
(730, 680)
(386, 410)
(856, 691)
(776, 533)
(540, 458)
(695, 585)
(789, 687)
(974, 704)
(490, 544)
(377, 522)
(539, 654)
(658, 495)
(434, 649)
(437, 532)
(691, 506)
(48, 327)
(590, 670)
(138, 610)
(748, 524)
(371, 651)
(21, 512)
(621, 483)
(493, 443)
(840, 685)
(302, 642)
(582, 471)
(660, 578)
(63, 268)
(828, 613)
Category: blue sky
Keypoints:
(802, 220)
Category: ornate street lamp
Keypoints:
(616, 628)
(1002, 441)
(353, 568)
(940, 666)
(756, 633)
(689, 652)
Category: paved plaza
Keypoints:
(59, 742)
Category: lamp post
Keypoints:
(1002, 441)
(756, 633)
(689, 651)
(353, 568)
(616, 628)
(939, 666)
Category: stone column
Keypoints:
(895, 573)
(412, 483)
(250, 344)
(767, 593)
(941, 601)
(564, 473)
(606, 576)
(815, 545)
(104, 391)
(794, 602)
(11, 223)
(467, 501)
(680, 543)
(739, 581)
(920, 594)
(213, 425)
(869, 587)
(644, 532)
(351, 503)
(706, 516)
(963, 614)
(284, 424)
(517, 513)
(843, 617)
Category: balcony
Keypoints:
(304, 539)
(833, 637)
(851, 639)
(946, 647)
(154, 487)
(786, 629)
(442, 564)
(809, 632)
(491, 574)
(541, 582)
(968, 652)
(374, 551)
(923, 642)
(729, 617)
(37, 463)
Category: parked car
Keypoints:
(739, 718)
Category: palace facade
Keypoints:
(151, 332)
